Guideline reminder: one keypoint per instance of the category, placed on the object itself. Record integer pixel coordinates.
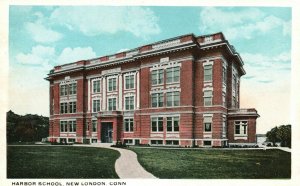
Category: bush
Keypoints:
(119, 144)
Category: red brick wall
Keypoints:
(145, 83)
(217, 82)
(186, 83)
(251, 130)
(80, 94)
(56, 98)
(186, 126)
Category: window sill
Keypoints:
(131, 132)
(68, 132)
(156, 85)
(129, 89)
(172, 83)
(239, 135)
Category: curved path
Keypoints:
(127, 165)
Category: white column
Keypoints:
(120, 92)
(137, 76)
(104, 93)
(89, 95)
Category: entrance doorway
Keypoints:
(106, 132)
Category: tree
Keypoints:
(272, 135)
(27, 128)
(284, 135)
(280, 134)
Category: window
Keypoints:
(63, 108)
(67, 126)
(233, 102)
(72, 126)
(71, 140)
(224, 74)
(234, 82)
(96, 105)
(112, 104)
(224, 99)
(241, 128)
(63, 126)
(207, 97)
(173, 124)
(172, 142)
(72, 107)
(87, 126)
(157, 77)
(224, 126)
(207, 143)
(128, 122)
(173, 99)
(73, 88)
(63, 90)
(96, 86)
(157, 124)
(157, 99)
(128, 141)
(173, 74)
(208, 73)
(112, 84)
(94, 125)
(156, 142)
(129, 103)
(129, 82)
(207, 124)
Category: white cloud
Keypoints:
(39, 55)
(241, 24)
(267, 69)
(40, 33)
(46, 57)
(139, 21)
(69, 55)
(123, 50)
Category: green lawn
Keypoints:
(60, 162)
(215, 163)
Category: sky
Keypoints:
(41, 37)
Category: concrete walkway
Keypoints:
(127, 165)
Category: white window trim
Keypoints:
(70, 88)
(172, 99)
(134, 80)
(212, 95)
(127, 96)
(112, 97)
(95, 99)
(157, 76)
(132, 130)
(241, 135)
(97, 79)
(173, 132)
(96, 125)
(157, 100)
(212, 67)
(68, 130)
(173, 82)
(210, 120)
(157, 131)
(107, 86)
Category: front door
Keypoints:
(106, 132)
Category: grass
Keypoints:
(60, 162)
(215, 163)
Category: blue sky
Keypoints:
(41, 37)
